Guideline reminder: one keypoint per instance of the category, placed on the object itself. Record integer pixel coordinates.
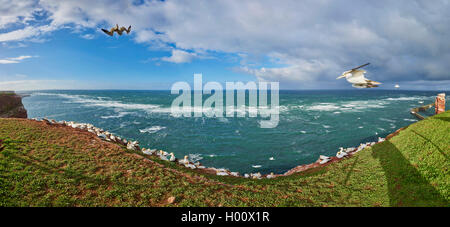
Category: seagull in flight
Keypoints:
(117, 29)
(356, 77)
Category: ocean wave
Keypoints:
(346, 106)
(294, 107)
(357, 105)
(102, 102)
(152, 129)
(90, 101)
(223, 120)
(411, 98)
(324, 107)
(385, 119)
(121, 114)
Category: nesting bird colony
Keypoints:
(170, 157)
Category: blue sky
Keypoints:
(51, 44)
(104, 62)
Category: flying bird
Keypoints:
(356, 77)
(117, 29)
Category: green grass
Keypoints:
(7, 93)
(51, 166)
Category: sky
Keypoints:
(57, 44)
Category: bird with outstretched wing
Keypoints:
(117, 30)
(356, 77)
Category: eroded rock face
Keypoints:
(11, 106)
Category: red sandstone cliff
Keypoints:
(11, 106)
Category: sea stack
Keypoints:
(439, 104)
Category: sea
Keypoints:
(311, 123)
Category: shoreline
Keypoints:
(185, 162)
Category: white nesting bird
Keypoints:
(356, 78)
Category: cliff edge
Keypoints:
(11, 106)
(47, 164)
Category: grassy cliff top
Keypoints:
(44, 165)
(7, 93)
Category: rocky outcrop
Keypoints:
(440, 103)
(11, 106)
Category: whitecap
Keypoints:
(384, 119)
(223, 120)
(294, 107)
(228, 110)
(324, 107)
(121, 114)
(405, 98)
(346, 106)
(152, 129)
(256, 166)
(101, 102)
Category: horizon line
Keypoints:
(329, 89)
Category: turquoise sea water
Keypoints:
(312, 123)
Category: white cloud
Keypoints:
(19, 34)
(301, 74)
(5, 61)
(12, 12)
(311, 39)
(20, 58)
(88, 36)
(179, 56)
(31, 33)
(14, 60)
